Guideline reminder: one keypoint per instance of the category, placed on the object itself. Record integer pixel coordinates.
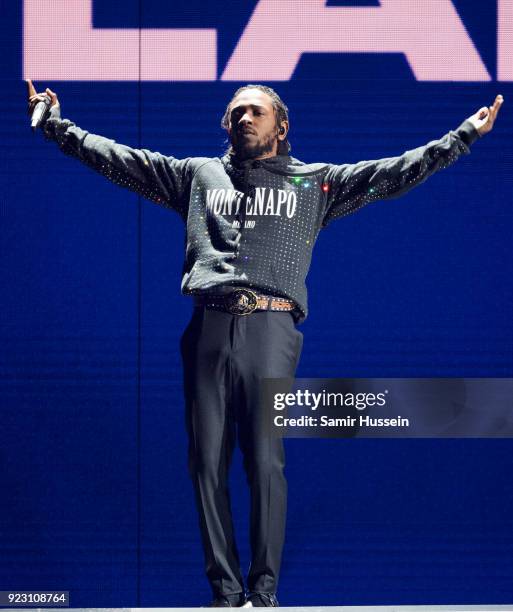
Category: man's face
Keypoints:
(253, 130)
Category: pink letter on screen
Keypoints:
(505, 41)
(60, 44)
(428, 32)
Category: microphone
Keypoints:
(40, 111)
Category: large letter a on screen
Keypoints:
(428, 32)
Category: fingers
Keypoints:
(30, 88)
(33, 100)
(31, 92)
(498, 102)
(482, 112)
(496, 106)
(493, 110)
(53, 96)
(34, 97)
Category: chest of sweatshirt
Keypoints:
(241, 211)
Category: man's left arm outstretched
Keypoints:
(351, 186)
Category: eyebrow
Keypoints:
(253, 106)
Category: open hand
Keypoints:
(484, 119)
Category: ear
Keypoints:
(284, 127)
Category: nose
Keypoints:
(245, 119)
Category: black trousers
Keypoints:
(224, 357)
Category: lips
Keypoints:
(246, 132)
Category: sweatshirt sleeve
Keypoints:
(158, 178)
(351, 186)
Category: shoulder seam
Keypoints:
(213, 159)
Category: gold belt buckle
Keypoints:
(241, 301)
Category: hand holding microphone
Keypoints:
(39, 104)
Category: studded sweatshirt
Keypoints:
(254, 224)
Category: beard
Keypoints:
(247, 148)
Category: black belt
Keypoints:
(244, 301)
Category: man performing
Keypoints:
(252, 218)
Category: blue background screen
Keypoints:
(96, 498)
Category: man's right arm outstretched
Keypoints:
(159, 178)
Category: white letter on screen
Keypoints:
(428, 32)
(60, 44)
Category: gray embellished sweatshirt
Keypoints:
(254, 224)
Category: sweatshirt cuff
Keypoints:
(55, 112)
(54, 126)
(467, 132)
